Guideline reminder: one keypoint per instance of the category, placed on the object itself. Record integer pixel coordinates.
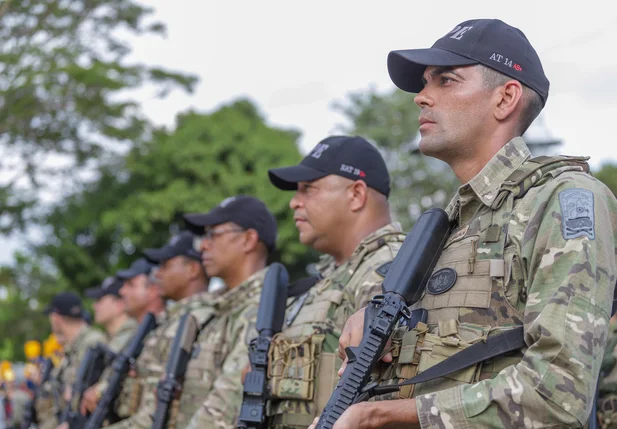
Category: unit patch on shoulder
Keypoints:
(383, 270)
(441, 281)
(577, 218)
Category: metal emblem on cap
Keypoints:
(441, 281)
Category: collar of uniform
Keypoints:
(243, 291)
(327, 264)
(485, 185)
(391, 228)
(78, 339)
(128, 325)
(190, 303)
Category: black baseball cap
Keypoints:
(247, 212)
(110, 286)
(67, 304)
(179, 245)
(139, 266)
(490, 42)
(352, 157)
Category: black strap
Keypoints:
(302, 285)
(497, 345)
(206, 322)
(614, 309)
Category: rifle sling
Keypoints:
(301, 286)
(497, 345)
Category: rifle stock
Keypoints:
(402, 287)
(120, 368)
(179, 356)
(269, 322)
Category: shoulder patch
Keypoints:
(577, 218)
(383, 270)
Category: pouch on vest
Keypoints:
(292, 367)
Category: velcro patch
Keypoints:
(383, 270)
(577, 217)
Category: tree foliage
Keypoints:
(608, 175)
(140, 202)
(65, 94)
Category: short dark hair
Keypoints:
(532, 102)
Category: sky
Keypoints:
(294, 59)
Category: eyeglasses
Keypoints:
(211, 234)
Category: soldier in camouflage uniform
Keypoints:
(182, 279)
(533, 250)
(341, 209)
(140, 296)
(66, 316)
(607, 403)
(237, 237)
(109, 311)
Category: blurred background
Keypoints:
(118, 116)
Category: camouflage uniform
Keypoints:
(51, 400)
(116, 343)
(303, 358)
(607, 404)
(151, 363)
(534, 247)
(213, 377)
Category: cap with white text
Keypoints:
(490, 42)
(351, 157)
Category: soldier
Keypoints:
(181, 278)
(341, 209)
(140, 296)
(238, 236)
(533, 250)
(109, 311)
(66, 316)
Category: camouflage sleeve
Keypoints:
(570, 271)
(222, 405)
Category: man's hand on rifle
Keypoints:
(245, 371)
(395, 414)
(89, 400)
(351, 337)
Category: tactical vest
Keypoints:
(478, 289)
(303, 359)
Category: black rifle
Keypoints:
(90, 370)
(170, 386)
(403, 286)
(269, 322)
(30, 417)
(120, 368)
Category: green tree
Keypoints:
(140, 202)
(67, 95)
(24, 288)
(390, 121)
(608, 175)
